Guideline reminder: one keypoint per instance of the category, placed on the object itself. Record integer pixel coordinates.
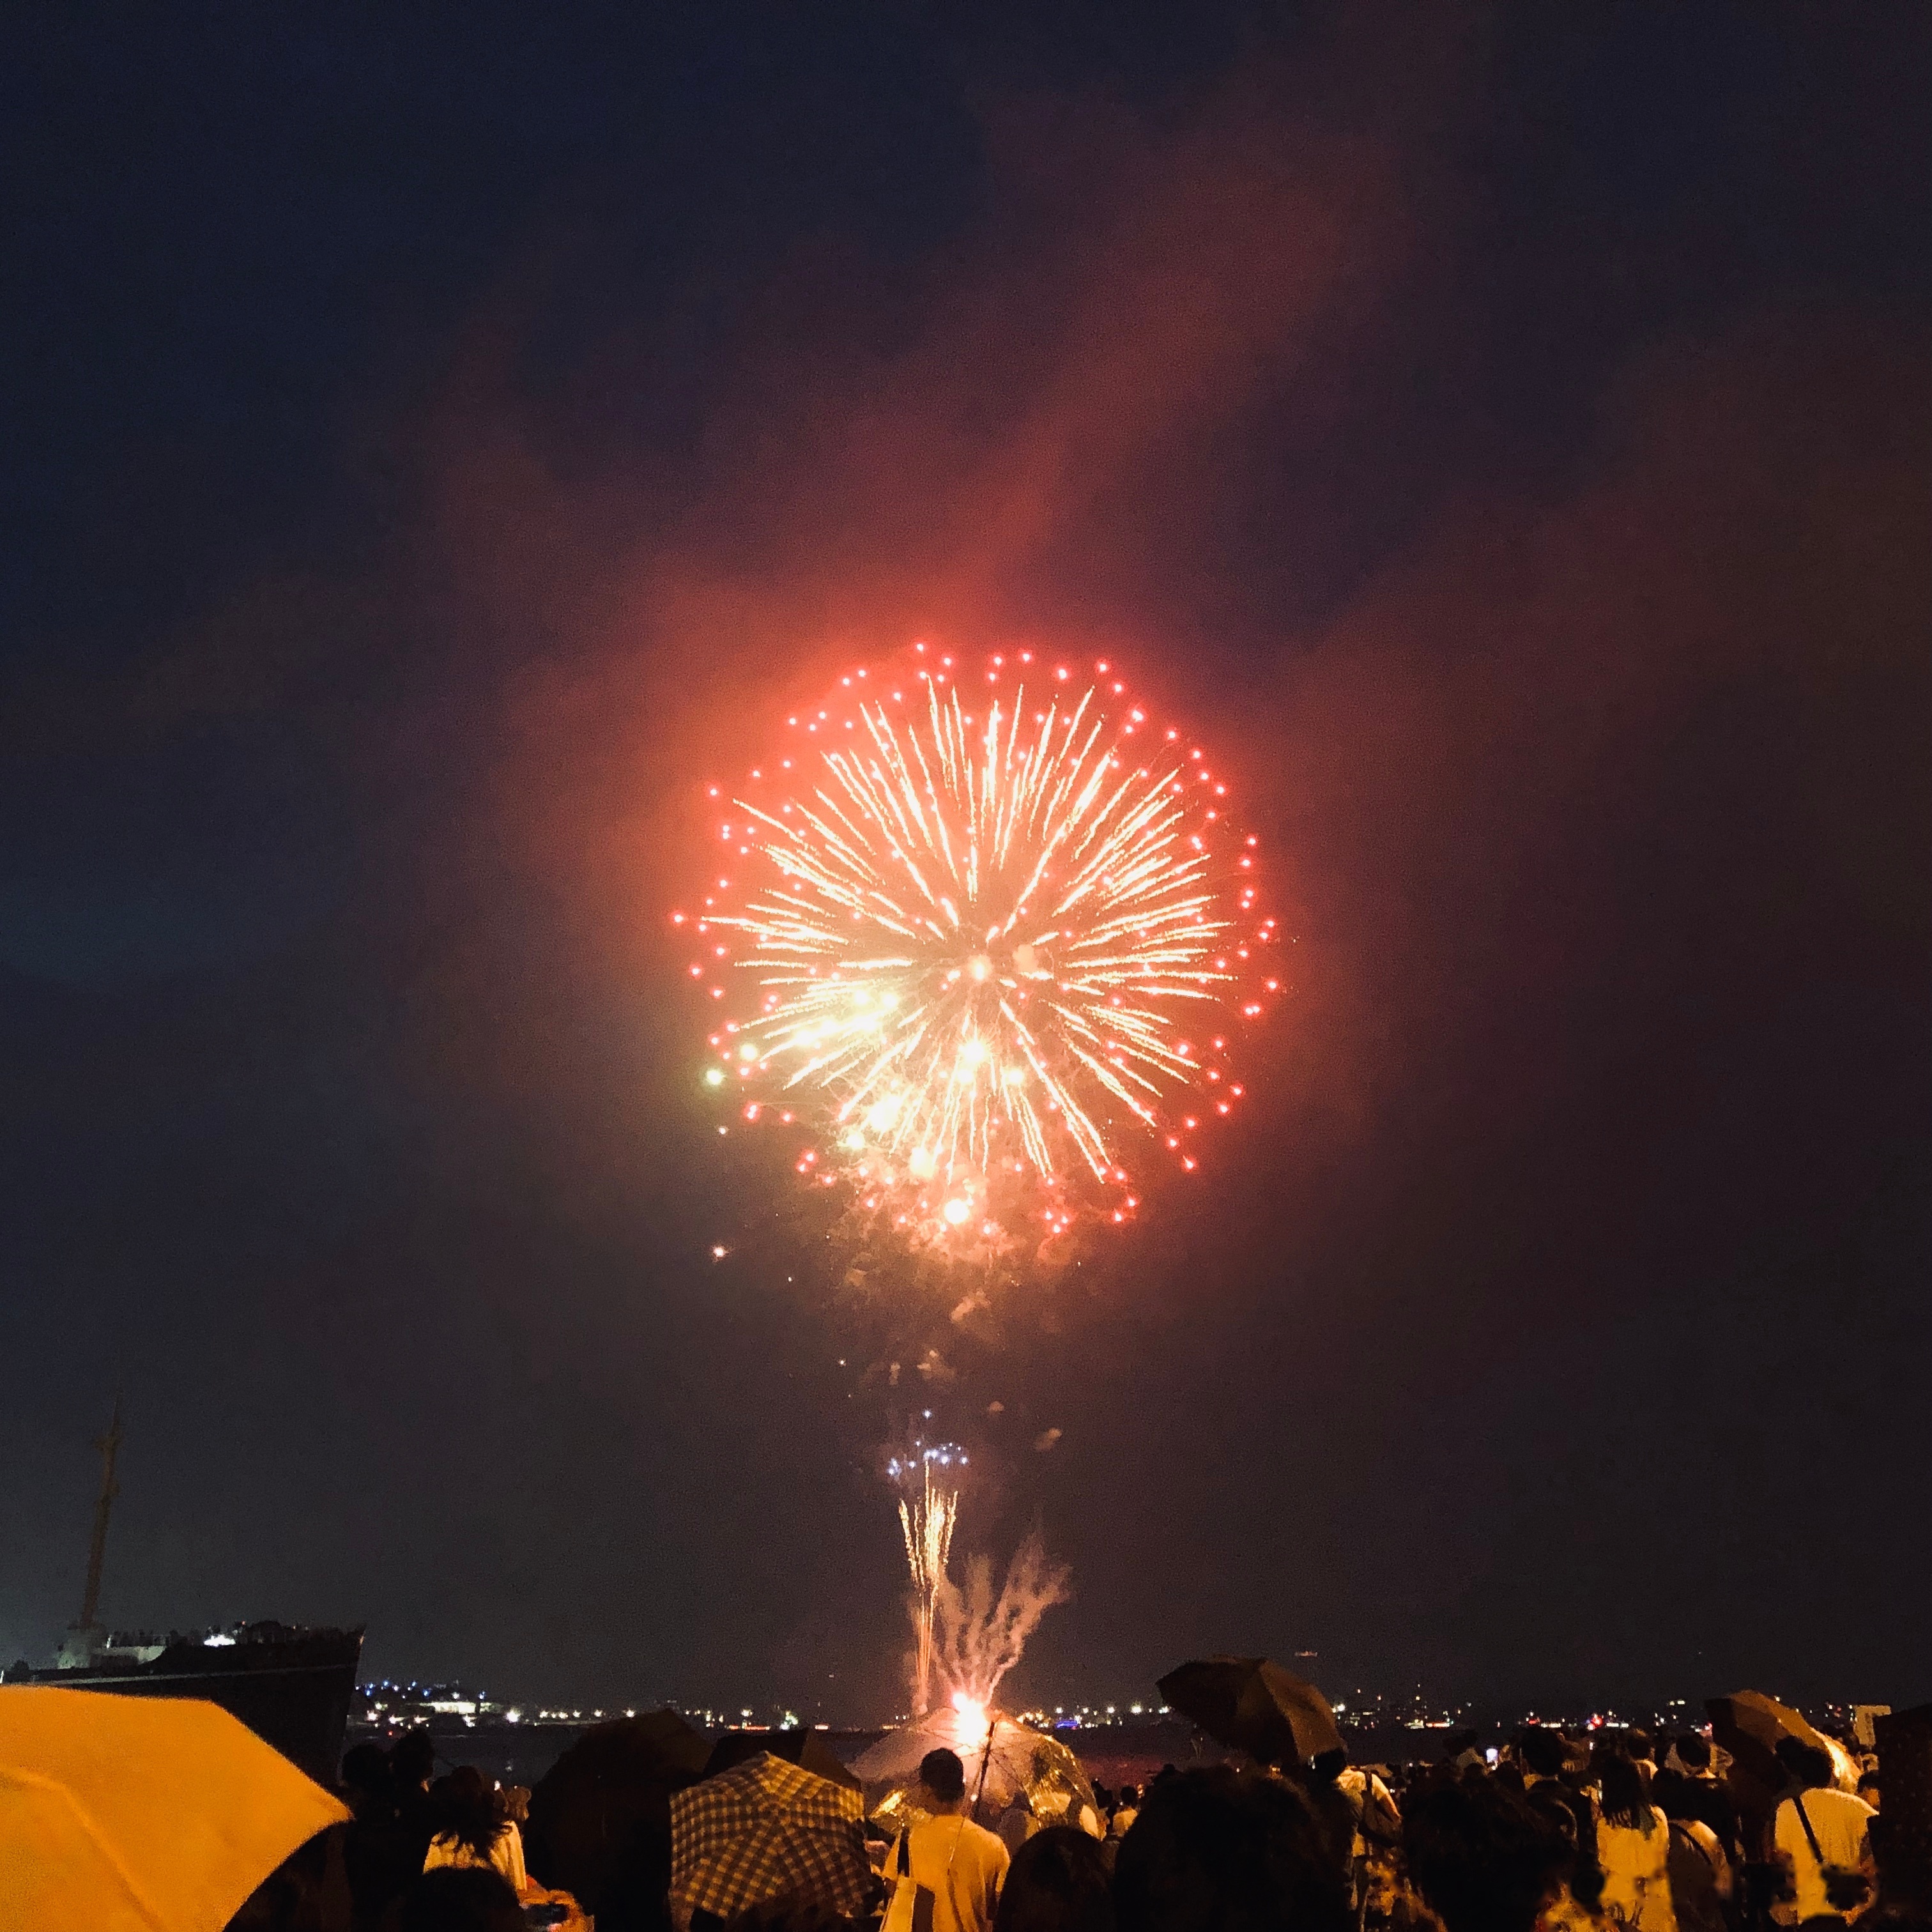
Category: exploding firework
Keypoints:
(928, 1483)
(988, 927)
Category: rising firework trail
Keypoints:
(927, 1478)
(980, 930)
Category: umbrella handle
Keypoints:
(985, 1759)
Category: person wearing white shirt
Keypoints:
(1633, 1848)
(1823, 1836)
(474, 1830)
(946, 1871)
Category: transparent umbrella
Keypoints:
(1006, 1761)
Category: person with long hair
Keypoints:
(1058, 1882)
(1633, 1848)
(473, 1830)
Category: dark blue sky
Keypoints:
(433, 435)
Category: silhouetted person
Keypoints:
(386, 1845)
(412, 1762)
(1542, 1752)
(1058, 1882)
(1334, 1812)
(1700, 1872)
(1484, 1859)
(1552, 1784)
(1016, 1823)
(452, 1900)
(1689, 1756)
(1222, 1850)
(1573, 1814)
(368, 1782)
(412, 1765)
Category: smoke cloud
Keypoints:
(980, 1635)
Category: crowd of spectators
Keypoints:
(1540, 1833)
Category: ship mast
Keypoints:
(81, 1643)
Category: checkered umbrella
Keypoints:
(767, 1829)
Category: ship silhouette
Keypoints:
(290, 1685)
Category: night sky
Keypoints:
(438, 441)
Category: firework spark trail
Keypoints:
(928, 1510)
(982, 939)
(981, 1634)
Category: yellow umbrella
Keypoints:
(140, 1814)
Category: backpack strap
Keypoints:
(1681, 1830)
(1811, 1836)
